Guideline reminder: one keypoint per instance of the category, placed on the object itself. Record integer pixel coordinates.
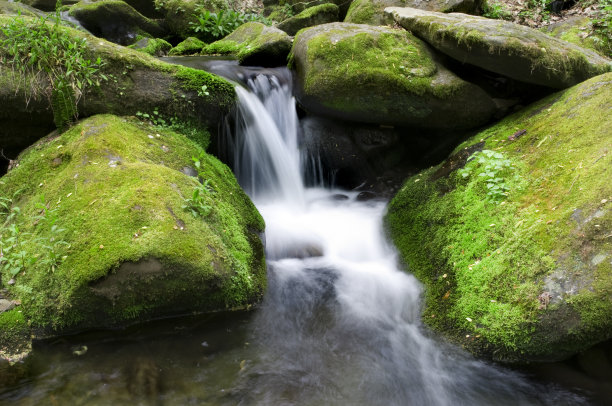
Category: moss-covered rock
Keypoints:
(372, 11)
(322, 14)
(47, 5)
(12, 8)
(135, 82)
(579, 30)
(15, 342)
(190, 46)
(381, 75)
(152, 46)
(105, 215)
(513, 245)
(254, 44)
(115, 20)
(513, 50)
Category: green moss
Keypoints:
(250, 40)
(220, 90)
(190, 46)
(117, 191)
(14, 335)
(153, 47)
(395, 60)
(321, 14)
(485, 263)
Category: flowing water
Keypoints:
(339, 325)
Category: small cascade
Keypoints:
(340, 324)
(264, 143)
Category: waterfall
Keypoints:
(340, 323)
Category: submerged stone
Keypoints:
(381, 75)
(511, 234)
(119, 244)
(513, 50)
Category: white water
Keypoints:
(342, 327)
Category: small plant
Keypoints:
(218, 25)
(197, 205)
(154, 118)
(495, 10)
(602, 27)
(203, 91)
(491, 166)
(50, 62)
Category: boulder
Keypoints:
(513, 50)
(47, 5)
(115, 20)
(152, 46)
(381, 75)
(190, 46)
(372, 12)
(510, 235)
(321, 14)
(254, 44)
(118, 234)
(579, 30)
(135, 82)
(12, 8)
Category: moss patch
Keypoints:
(116, 189)
(253, 43)
(190, 46)
(152, 46)
(492, 265)
(15, 342)
(321, 14)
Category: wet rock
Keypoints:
(372, 11)
(503, 47)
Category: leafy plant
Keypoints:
(197, 204)
(495, 10)
(218, 25)
(490, 166)
(50, 63)
(203, 91)
(602, 27)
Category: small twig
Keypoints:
(570, 189)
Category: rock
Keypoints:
(6, 305)
(152, 46)
(15, 340)
(136, 83)
(381, 75)
(115, 21)
(321, 14)
(47, 5)
(503, 47)
(524, 252)
(190, 46)
(254, 44)
(132, 251)
(180, 14)
(12, 8)
(292, 7)
(578, 30)
(372, 12)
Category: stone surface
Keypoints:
(254, 44)
(503, 47)
(523, 275)
(132, 250)
(381, 75)
(372, 11)
(322, 14)
(116, 21)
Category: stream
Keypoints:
(339, 325)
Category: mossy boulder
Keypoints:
(15, 341)
(372, 12)
(509, 49)
(190, 46)
(381, 75)
(152, 46)
(254, 44)
(322, 14)
(135, 82)
(579, 30)
(105, 216)
(12, 8)
(115, 20)
(511, 234)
